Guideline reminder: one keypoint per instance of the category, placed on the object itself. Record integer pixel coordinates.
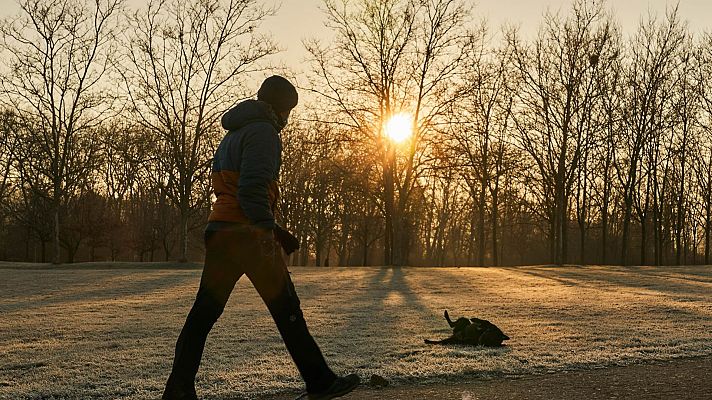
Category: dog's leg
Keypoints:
(450, 340)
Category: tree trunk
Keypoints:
(495, 221)
(656, 221)
(342, 246)
(582, 244)
(643, 241)
(27, 243)
(365, 253)
(626, 230)
(364, 250)
(389, 242)
(471, 243)
(304, 252)
(57, 253)
(404, 231)
(604, 228)
(552, 237)
(183, 234)
(707, 227)
(565, 233)
(481, 228)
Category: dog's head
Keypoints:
(493, 337)
(490, 335)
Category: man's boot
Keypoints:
(179, 390)
(341, 386)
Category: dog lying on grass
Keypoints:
(473, 331)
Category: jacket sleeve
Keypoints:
(257, 169)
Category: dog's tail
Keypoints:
(449, 321)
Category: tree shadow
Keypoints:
(116, 286)
(624, 277)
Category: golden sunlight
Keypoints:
(399, 127)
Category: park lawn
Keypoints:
(108, 334)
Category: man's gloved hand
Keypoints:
(288, 241)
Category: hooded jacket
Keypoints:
(246, 166)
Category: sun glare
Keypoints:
(399, 127)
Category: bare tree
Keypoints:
(186, 62)
(558, 73)
(480, 139)
(703, 159)
(389, 57)
(8, 149)
(610, 117)
(653, 52)
(58, 54)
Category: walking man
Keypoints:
(242, 238)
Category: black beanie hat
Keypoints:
(279, 93)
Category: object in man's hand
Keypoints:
(289, 242)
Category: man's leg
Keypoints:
(220, 273)
(271, 279)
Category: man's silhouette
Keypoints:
(242, 237)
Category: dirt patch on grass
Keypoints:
(688, 379)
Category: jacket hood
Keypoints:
(250, 111)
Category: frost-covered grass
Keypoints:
(110, 333)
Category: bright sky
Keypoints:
(300, 19)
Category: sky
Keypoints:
(297, 20)
(300, 19)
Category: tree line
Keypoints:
(577, 145)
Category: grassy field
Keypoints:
(108, 334)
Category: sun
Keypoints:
(399, 127)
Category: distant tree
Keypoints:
(652, 62)
(702, 158)
(56, 55)
(557, 74)
(185, 62)
(603, 154)
(85, 224)
(127, 150)
(8, 152)
(480, 132)
(443, 205)
(388, 57)
(685, 107)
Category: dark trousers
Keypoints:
(230, 254)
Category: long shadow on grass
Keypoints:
(694, 273)
(629, 278)
(601, 281)
(381, 312)
(388, 322)
(113, 288)
(637, 278)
